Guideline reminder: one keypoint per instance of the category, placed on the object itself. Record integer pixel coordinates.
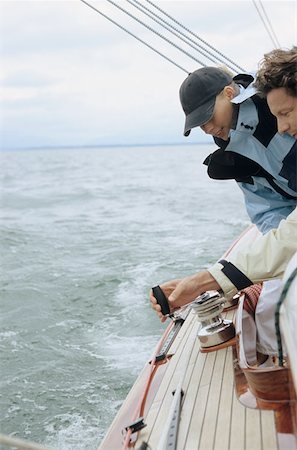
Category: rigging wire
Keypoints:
(142, 8)
(269, 22)
(179, 34)
(136, 37)
(270, 32)
(156, 32)
(194, 34)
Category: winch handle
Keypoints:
(161, 300)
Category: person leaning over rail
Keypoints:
(251, 151)
(268, 256)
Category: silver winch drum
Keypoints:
(214, 329)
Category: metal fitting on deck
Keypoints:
(214, 329)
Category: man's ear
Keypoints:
(229, 92)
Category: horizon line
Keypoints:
(80, 146)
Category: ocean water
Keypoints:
(85, 233)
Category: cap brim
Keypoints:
(199, 116)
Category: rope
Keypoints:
(179, 34)
(270, 30)
(277, 315)
(252, 294)
(269, 23)
(156, 32)
(21, 444)
(196, 36)
(136, 37)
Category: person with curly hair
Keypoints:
(277, 81)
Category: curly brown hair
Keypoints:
(278, 69)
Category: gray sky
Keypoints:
(70, 77)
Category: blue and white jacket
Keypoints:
(262, 161)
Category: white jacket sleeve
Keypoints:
(264, 260)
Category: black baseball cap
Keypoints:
(198, 95)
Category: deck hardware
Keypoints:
(170, 339)
(136, 426)
(175, 420)
(231, 302)
(182, 392)
(144, 446)
(214, 329)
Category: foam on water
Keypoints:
(85, 235)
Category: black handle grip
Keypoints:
(161, 299)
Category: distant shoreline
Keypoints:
(97, 146)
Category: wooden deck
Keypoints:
(211, 416)
(220, 410)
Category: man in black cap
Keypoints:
(198, 97)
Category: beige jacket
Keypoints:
(266, 259)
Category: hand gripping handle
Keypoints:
(161, 299)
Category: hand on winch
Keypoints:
(180, 292)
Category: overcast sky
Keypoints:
(69, 77)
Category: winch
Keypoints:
(214, 329)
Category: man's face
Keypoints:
(284, 107)
(220, 123)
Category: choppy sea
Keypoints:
(85, 233)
